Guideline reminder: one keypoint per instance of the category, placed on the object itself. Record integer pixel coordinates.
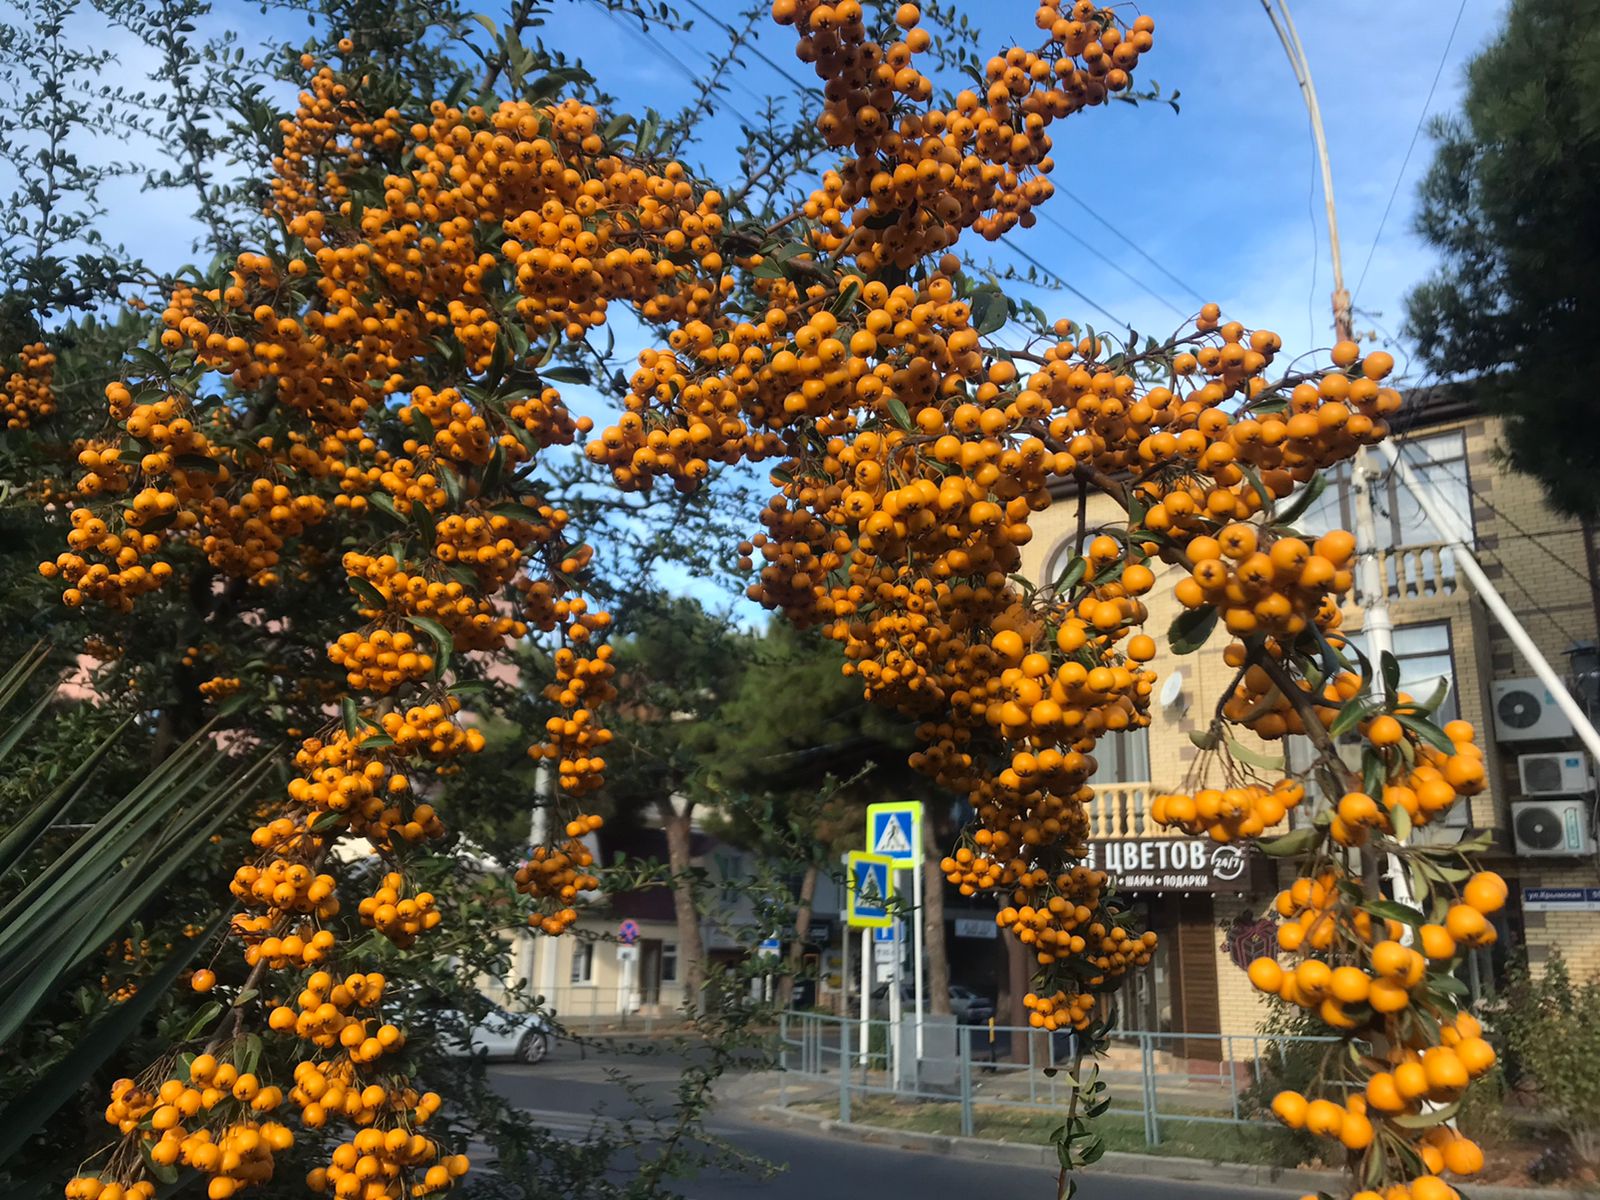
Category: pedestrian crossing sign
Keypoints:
(871, 888)
(895, 831)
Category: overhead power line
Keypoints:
(1126, 274)
(1415, 134)
(1126, 240)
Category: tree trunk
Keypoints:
(784, 992)
(938, 978)
(1016, 1014)
(691, 947)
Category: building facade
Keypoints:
(1540, 805)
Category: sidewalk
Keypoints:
(764, 1095)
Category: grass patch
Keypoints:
(1264, 1144)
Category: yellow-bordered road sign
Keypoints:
(894, 830)
(870, 888)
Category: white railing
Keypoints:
(1420, 572)
(1122, 810)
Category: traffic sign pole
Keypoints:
(916, 943)
(866, 994)
(895, 951)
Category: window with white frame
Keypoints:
(583, 962)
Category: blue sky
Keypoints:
(1223, 195)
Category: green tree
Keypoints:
(1512, 203)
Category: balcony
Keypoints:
(1120, 811)
(1425, 571)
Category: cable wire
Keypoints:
(1415, 134)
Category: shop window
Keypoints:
(583, 962)
(669, 962)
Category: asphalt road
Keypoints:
(572, 1090)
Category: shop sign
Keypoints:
(1561, 899)
(1173, 865)
(976, 927)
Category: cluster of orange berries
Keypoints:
(28, 392)
(114, 582)
(582, 681)
(397, 916)
(381, 660)
(372, 799)
(430, 729)
(286, 886)
(1360, 978)
(1070, 920)
(1228, 814)
(555, 876)
(235, 1148)
(328, 1017)
(1281, 589)
(1061, 1010)
(377, 1162)
(921, 175)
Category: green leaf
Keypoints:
(351, 715)
(386, 506)
(1266, 762)
(202, 1019)
(1427, 731)
(897, 410)
(1205, 739)
(566, 374)
(1191, 629)
(197, 462)
(1297, 841)
(1302, 500)
(1353, 713)
(442, 640)
(26, 1115)
(1254, 479)
(366, 592)
(1427, 1120)
(1393, 910)
(1400, 821)
(1389, 666)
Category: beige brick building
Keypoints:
(1544, 564)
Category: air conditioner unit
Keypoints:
(1552, 828)
(1563, 774)
(1525, 711)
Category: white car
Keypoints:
(524, 1037)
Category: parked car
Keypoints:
(502, 1034)
(968, 1006)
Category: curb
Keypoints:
(1146, 1166)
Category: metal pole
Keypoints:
(1450, 526)
(844, 974)
(1152, 1130)
(917, 929)
(866, 995)
(844, 1067)
(894, 1004)
(545, 781)
(964, 1037)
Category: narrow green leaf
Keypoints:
(1190, 629)
(366, 592)
(897, 410)
(1427, 731)
(1266, 762)
(441, 640)
(26, 1115)
(1297, 841)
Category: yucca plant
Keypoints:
(68, 888)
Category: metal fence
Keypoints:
(1158, 1077)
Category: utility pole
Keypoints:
(1372, 589)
